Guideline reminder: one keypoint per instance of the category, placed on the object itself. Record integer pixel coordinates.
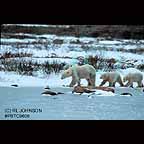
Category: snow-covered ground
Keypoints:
(96, 46)
(86, 46)
(38, 25)
(100, 105)
(39, 53)
(118, 43)
(52, 80)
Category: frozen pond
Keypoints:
(69, 106)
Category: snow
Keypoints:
(67, 49)
(24, 34)
(110, 42)
(139, 62)
(133, 46)
(99, 93)
(29, 25)
(38, 25)
(133, 70)
(50, 60)
(14, 40)
(117, 43)
(9, 78)
(121, 55)
(73, 52)
(40, 52)
(53, 80)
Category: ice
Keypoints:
(70, 106)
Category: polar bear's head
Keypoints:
(104, 76)
(67, 73)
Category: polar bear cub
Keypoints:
(112, 78)
(133, 77)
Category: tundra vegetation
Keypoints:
(21, 60)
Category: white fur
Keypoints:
(134, 77)
(112, 78)
(80, 72)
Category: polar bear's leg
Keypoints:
(79, 82)
(102, 83)
(120, 82)
(73, 82)
(92, 79)
(110, 84)
(93, 82)
(113, 84)
(89, 82)
(129, 84)
(140, 84)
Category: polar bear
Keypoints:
(112, 78)
(133, 77)
(77, 73)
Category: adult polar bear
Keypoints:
(77, 73)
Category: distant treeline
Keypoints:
(108, 31)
